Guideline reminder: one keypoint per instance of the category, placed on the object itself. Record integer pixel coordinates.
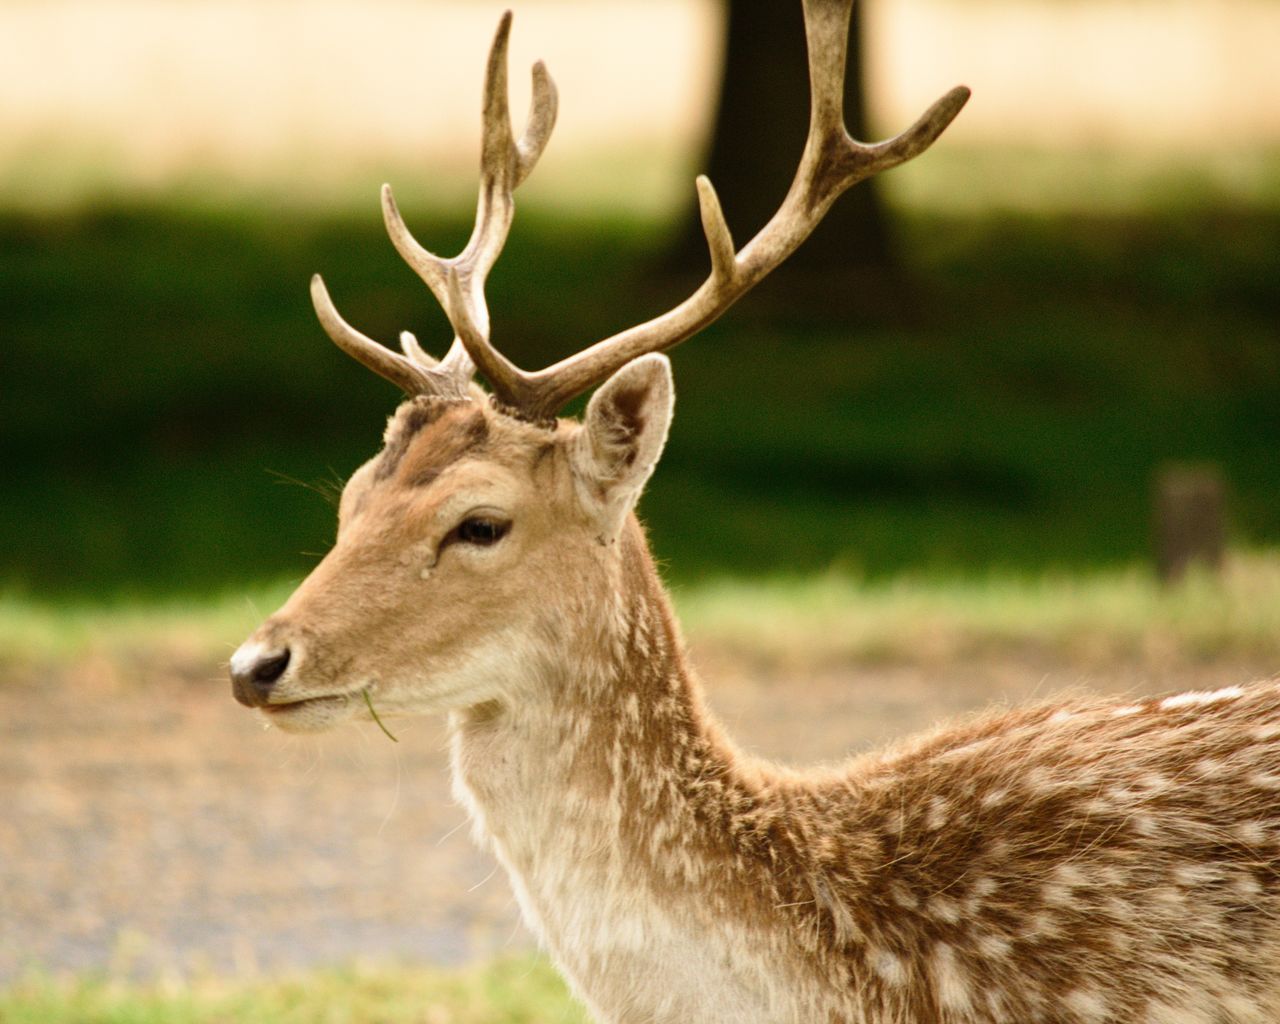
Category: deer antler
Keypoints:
(830, 164)
(458, 282)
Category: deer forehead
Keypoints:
(444, 452)
(427, 436)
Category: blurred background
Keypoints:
(928, 448)
(980, 362)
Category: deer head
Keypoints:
(486, 540)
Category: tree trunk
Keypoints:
(1190, 516)
(758, 135)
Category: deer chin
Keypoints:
(313, 714)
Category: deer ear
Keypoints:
(621, 439)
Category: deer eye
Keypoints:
(481, 530)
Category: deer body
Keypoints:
(1083, 863)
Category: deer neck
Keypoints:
(618, 738)
(623, 816)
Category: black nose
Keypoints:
(252, 679)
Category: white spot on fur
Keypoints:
(1059, 891)
(1244, 1010)
(994, 947)
(1247, 887)
(1263, 733)
(1263, 780)
(995, 797)
(1191, 875)
(1087, 1004)
(1128, 709)
(943, 909)
(1039, 778)
(1183, 700)
(937, 815)
(995, 1004)
(1160, 1012)
(889, 967)
(1056, 895)
(1058, 717)
(1039, 926)
(984, 886)
(949, 980)
(1251, 832)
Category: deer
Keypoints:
(1077, 861)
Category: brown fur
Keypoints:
(1084, 862)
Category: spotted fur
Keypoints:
(1087, 862)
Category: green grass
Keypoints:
(1108, 616)
(510, 991)
(1118, 614)
(168, 631)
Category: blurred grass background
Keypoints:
(170, 403)
(1070, 316)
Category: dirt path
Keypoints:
(158, 828)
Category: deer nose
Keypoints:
(256, 668)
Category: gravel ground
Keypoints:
(151, 826)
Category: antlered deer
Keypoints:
(1084, 862)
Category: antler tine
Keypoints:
(414, 372)
(504, 163)
(830, 164)
(426, 264)
(829, 150)
(458, 282)
(542, 119)
(414, 352)
(455, 362)
(921, 135)
(496, 155)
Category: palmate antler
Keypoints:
(830, 164)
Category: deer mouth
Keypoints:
(310, 714)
